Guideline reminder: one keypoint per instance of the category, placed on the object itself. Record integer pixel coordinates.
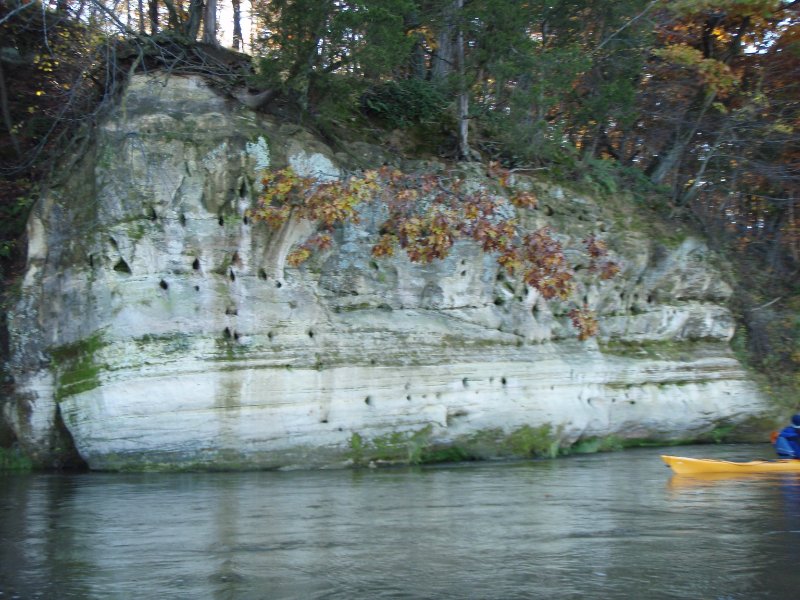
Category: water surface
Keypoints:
(602, 526)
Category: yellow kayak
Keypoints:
(692, 466)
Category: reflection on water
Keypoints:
(703, 479)
(603, 526)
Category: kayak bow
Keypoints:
(691, 466)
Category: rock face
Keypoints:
(159, 328)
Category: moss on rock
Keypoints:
(76, 367)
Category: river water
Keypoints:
(603, 526)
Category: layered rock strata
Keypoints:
(160, 328)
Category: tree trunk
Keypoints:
(416, 65)
(210, 24)
(463, 95)
(449, 59)
(7, 120)
(690, 194)
(195, 19)
(173, 17)
(237, 25)
(665, 162)
(443, 59)
(153, 10)
(141, 16)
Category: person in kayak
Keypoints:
(787, 444)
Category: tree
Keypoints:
(237, 24)
(210, 23)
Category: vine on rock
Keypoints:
(427, 213)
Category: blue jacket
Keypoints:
(787, 444)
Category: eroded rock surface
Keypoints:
(165, 330)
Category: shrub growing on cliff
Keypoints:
(427, 213)
(404, 103)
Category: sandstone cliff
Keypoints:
(159, 328)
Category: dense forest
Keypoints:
(692, 106)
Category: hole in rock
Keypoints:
(262, 274)
(278, 284)
(221, 221)
(368, 400)
(164, 285)
(113, 242)
(323, 420)
(122, 267)
(310, 334)
(465, 382)
(197, 288)
(463, 273)
(91, 261)
(408, 397)
(227, 333)
(196, 264)
(182, 220)
(231, 311)
(270, 335)
(236, 335)
(246, 221)
(503, 381)
(232, 275)
(152, 215)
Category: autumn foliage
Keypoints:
(427, 214)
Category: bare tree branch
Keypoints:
(628, 24)
(17, 10)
